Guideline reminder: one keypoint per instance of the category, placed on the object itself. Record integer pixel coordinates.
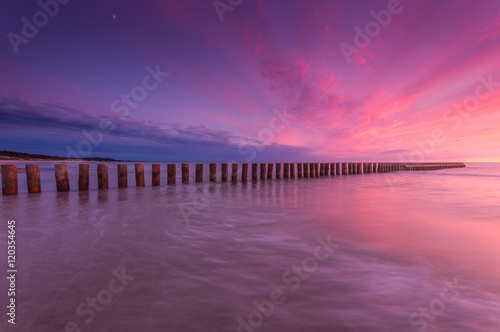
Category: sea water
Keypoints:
(401, 251)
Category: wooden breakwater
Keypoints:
(262, 171)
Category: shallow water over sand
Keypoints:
(371, 252)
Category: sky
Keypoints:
(252, 80)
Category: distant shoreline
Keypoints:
(20, 156)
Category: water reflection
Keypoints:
(398, 249)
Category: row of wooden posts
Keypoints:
(303, 170)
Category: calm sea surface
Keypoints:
(409, 251)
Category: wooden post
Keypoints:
(344, 168)
(262, 171)
(360, 170)
(155, 171)
(121, 169)
(327, 169)
(278, 170)
(306, 170)
(33, 178)
(337, 168)
(62, 180)
(316, 168)
(213, 172)
(9, 179)
(244, 172)
(83, 177)
(300, 173)
(171, 174)
(224, 170)
(185, 173)
(312, 174)
(286, 170)
(322, 169)
(292, 170)
(199, 173)
(234, 173)
(332, 169)
(139, 175)
(102, 176)
(254, 171)
(270, 171)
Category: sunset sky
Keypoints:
(252, 80)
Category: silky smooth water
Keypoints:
(408, 251)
